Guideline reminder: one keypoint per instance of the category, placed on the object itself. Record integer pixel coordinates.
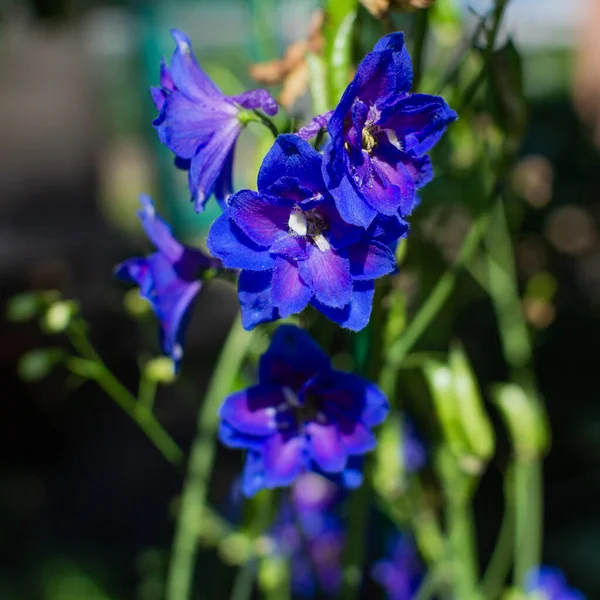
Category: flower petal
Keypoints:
(328, 276)
(264, 219)
(370, 261)
(186, 74)
(237, 251)
(257, 99)
(351, 477)
(356, 314)
(184, 125)
(253, 410)
(224, 182)
(158, 230)
(325, 447)
(289, 293)
(292, 358)
(293, 157)
(284, 458)
(232, 438)
(310, 130)
(210, 161)
(253, 478)
(254, 293)
(419, 120)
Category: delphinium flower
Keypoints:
(200, 124)
(301, 416)
(168, 278)
(380, 134)
(413, 450)
(547, 583)
(309, 531)
(400, 574)
(293, 247)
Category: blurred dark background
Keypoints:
(85, 500)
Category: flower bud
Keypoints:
(459, 407)
(22, 307)
(160, 370)
(37, 364)
(525, 419)
(58, 316)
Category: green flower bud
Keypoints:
(160, 370)
(59, 315)
(22, 307)
(37, 364)
(525, 419)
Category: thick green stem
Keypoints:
(193, 498)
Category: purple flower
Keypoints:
(380, 133)
(413, 449)
(550, 584)
(310, 533)
(200, 124)
(302, 416)
(293, 247)
(400, 574)
(167, 278)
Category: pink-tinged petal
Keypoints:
(284, 459)
(253, 410)
(370, 261)
(289, 293)
(264, 219)
(356, 438)
(326, 447)
(158, 97)
(328, 275)
(392, 189)
(310, 130)
(291, 247)
(257, 99)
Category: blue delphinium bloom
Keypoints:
(167, 278)
(294, 248)
(199, 123)
(302, 416)
(309, 531)
(547, 583)
(380, 134)
(401, 573)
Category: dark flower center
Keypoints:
(310, 225)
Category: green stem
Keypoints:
(147, 392)
(354, 556)
(499, 565)
(528, 517)
(461, 536)
(430, 308)
(92, 367)
(193, 498)
(257, 117)
(421, 27)
(244, 581)
(432, 581)
(487, 56)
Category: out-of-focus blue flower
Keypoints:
(380, 134)
(310, 533)
(413, 449)
(400, 574)
(199, 123)
(167, 278)
(293, 247)
(547, 583)
(302, 416)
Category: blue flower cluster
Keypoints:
(321, 227)
(549, 583)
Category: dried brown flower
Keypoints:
(380, 8)
(291, 70)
